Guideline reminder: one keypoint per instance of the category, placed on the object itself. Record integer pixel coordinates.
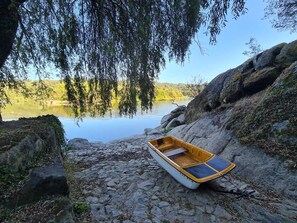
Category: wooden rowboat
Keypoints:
(188, 164)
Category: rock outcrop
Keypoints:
(44, 181)
(22, 141)
(32, 177)
(261, 94)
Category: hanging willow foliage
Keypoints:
(94, 44)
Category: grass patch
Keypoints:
(80, 207)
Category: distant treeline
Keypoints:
(54, 90)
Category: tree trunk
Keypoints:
(8, 27)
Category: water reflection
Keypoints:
(103, 129)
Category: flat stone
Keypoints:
(163, 204)
(112, 183)
(187, 212)
(104, 198)
(113, 211)
(146, 185)
(140, 212)
(222, 213)
(154, 197)
(208, 209)
(213, 219)
(92, 200)
(156, 211)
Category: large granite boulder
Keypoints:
(267, 58)
(44, 181)
(260, 96)
(287, 55)
(253, 76)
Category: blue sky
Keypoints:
(227, 53)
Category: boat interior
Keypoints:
(196, 161)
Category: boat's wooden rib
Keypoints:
(189, 164)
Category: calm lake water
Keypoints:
(102, 129)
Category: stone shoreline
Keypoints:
(122, 183)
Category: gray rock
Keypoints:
(113, 211)
(260, 79)
(179, 109)
(267, 57)
(146, 185)
(92, 200)
(244, 80)
(181, 119)
(280, 126)
(157, 212)
(43, 181)
(167, 118)
(222, 213)
(147, 130)
(112, 183)
(287, 55)
(163, 204)
(187, 212)
(140, 212)
(173, 123)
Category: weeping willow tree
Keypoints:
(282, 14)
(93, 44)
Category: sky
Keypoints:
(228, 52)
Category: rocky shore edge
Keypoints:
(121, 182)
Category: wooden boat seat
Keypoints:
(174, 152)
(165, 146)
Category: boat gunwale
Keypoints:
(186, 173)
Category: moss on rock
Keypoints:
(273, 122)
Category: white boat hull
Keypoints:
(176, 174)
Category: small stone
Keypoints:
(212, 219)
(154, 197)
(104, 199)
(111, 189)
(243, 187)
(92, 200)
(163, 204)
(139, 212)
(222, 213)
(112, 210)
(187, 212)
(208, 209)
(146, 185)
(111, 183)
(181, 190)
(156, 211)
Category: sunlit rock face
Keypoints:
(261, 96)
